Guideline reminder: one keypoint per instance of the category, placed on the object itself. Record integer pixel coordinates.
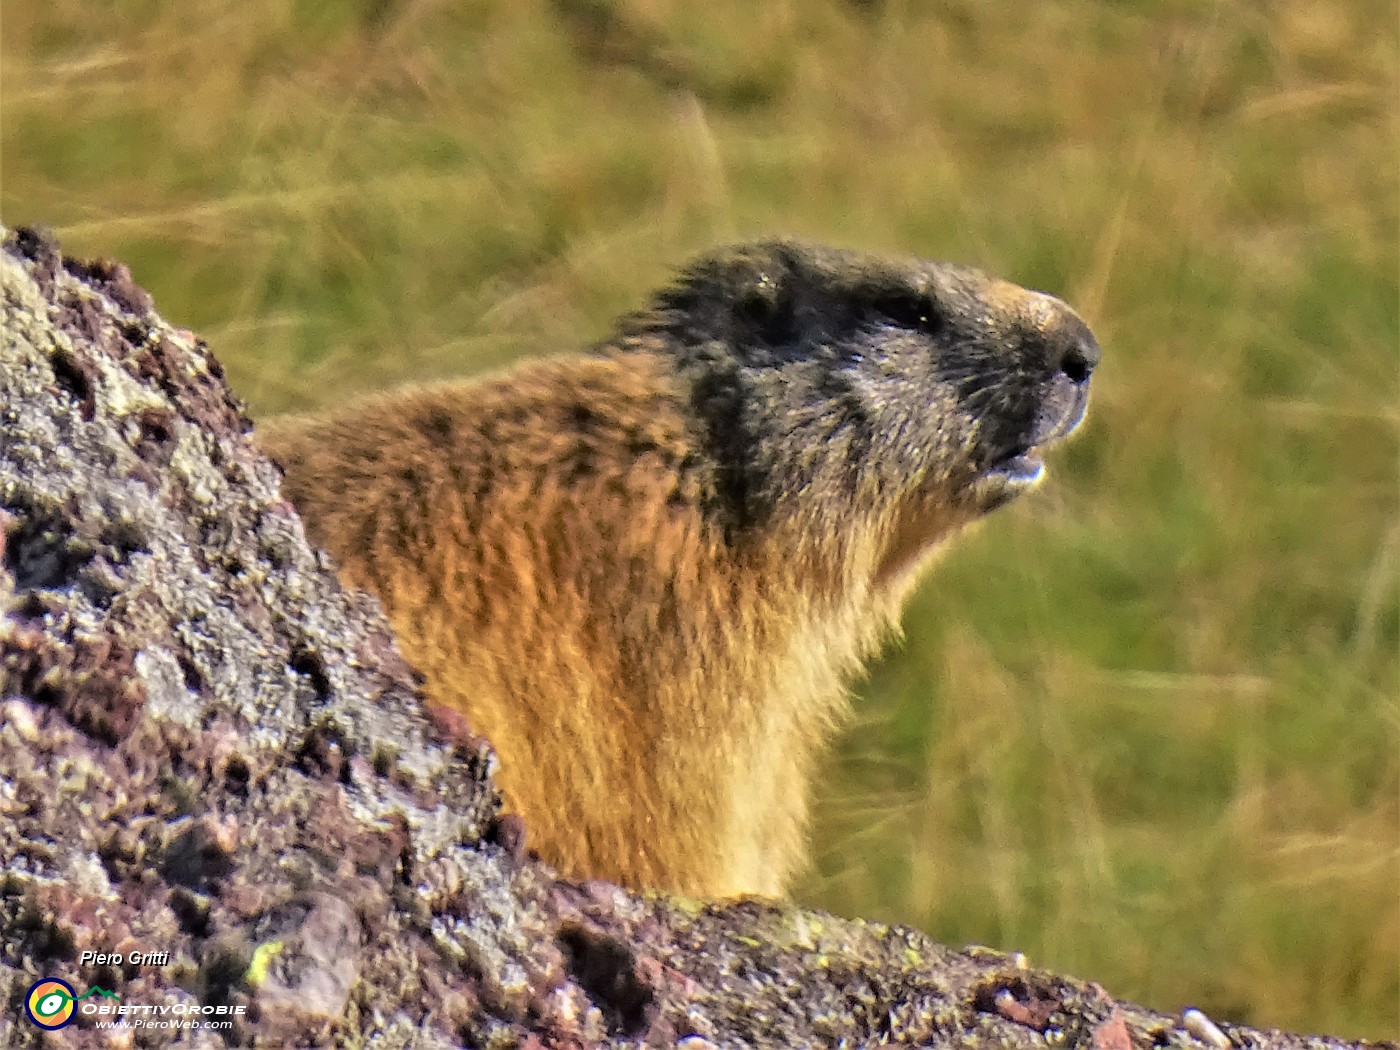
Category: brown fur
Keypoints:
(647, 574)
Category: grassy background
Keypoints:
(1144, 725)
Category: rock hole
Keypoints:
(324, 753)
(606, 969)
(74, 378)
(194, 681)
(383, 761)
(43, 555)
(225, 963)
(194, 859)
(191, 911)
(309, 664)
(156, 442)
(236, 776)
(46, 940)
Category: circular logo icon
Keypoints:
(50, 1003)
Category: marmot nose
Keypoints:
(1063, 338)
(1080, 357)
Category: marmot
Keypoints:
(647, 573)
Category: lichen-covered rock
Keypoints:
(208, 749)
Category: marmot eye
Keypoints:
(912, 311)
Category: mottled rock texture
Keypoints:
(210, 749)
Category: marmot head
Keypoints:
(822, 370)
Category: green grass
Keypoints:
(1144, 725)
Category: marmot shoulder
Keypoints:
(647, 572)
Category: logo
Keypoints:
(51, 1003)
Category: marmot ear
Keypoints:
(764, 308)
